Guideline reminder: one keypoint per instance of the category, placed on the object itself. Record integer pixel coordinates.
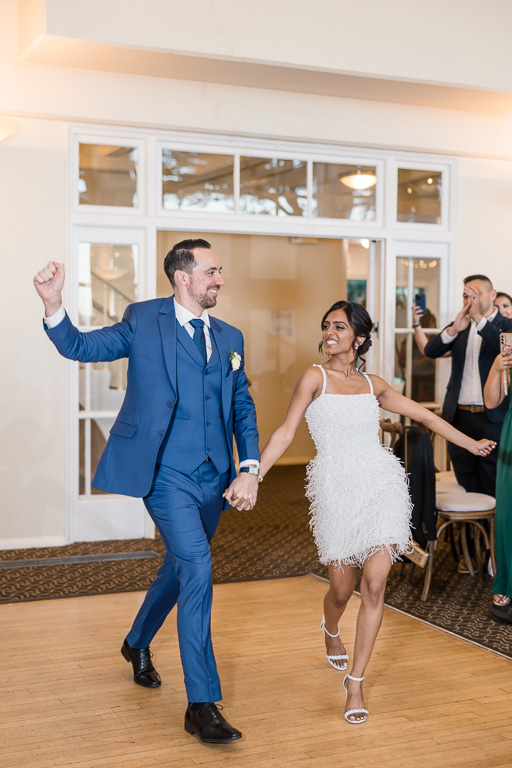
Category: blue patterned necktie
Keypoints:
(199, 340)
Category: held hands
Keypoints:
(242, 492)
(48, 283)
(482, 447)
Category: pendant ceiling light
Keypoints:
(359, 180)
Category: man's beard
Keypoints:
(205, 300)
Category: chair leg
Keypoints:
(410, 572)
(478, 553)
(492, 544)
(453, 546)
(428, 570)
(465, 550)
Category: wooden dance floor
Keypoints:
(67, 697)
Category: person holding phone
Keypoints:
(423, 369)
(495, 393)
(474, 341)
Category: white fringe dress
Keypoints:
(357, 488)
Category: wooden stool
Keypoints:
(446, 482)
(469, 509)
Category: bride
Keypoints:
(360, 505)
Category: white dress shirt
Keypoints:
(471, 385)
(183, 316)
(56, 318)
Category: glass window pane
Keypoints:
(108, 175)
(419, 196)
(415, 374)
(94, 434)
(107, 282)
(197, 181)
(273, 187)
(344, 191)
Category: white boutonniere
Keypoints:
(235, 360)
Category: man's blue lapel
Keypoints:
(167, 323)
(227, 373)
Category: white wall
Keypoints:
(453, 42)
(485, 221)
(33, 197)
(32, 385)
(85, 95)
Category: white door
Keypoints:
(106, 274)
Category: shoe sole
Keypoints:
(190, 730)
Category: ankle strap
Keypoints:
(357, 679)
(322, 626)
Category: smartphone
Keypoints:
(505, 341)
(421, 302)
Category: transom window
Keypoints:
(268, 185)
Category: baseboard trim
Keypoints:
(31, 543)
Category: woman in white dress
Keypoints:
(360, 504)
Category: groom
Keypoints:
(171, 444)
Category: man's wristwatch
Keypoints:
(252, 470)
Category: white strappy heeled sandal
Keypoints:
(332, 658)
(359, 710)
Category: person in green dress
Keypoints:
(495, 391)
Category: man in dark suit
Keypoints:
(474, 341)
(172, 445)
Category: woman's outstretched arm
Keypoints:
(392, 401)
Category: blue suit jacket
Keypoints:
(147, 337)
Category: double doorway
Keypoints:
(276, 290)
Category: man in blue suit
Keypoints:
(172, 445)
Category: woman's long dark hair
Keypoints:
(360, 322)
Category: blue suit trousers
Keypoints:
(186, 510)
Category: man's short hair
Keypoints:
(181, 257)
(483, 278)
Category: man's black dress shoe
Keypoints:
(501, 613)
(144, 672)
(205, 720)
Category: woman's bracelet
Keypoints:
(418, 325)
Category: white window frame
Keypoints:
(237, 150)
(396, 238)
(109, 210)
(94, 517)
(423, 227)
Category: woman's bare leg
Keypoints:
(341, 588)
(373, 585)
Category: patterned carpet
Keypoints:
(273, 541)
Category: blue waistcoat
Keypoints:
(196, 431)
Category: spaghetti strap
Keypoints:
(324, 375)
(369, 381)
